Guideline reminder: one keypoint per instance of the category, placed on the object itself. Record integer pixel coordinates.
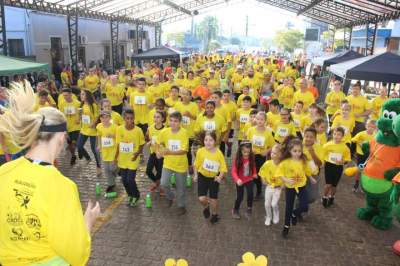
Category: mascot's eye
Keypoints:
(386, 114)
(389, 115)
(392, 115)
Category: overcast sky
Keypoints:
(264, 20)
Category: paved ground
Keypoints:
(140, 236)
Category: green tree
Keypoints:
(289, 39)
(177, 37)
(207, 30)
(214, 45)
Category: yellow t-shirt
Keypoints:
(65, 79)
(139, 102)
(224, 112)
(293, 169)
(240, 100)
(80, 83)
(129, 142)
(231, 107)
(336, 152)
(376, 106)
(359, 105)
(286, 97)
(187, 122)
(71, 112)
(242, 117)
(267, 174)
(115, 94)
(236, 81)
(253, 84)
(52, 101)
(261, 141)
(333, 100)
(321, 138)
(38, 106)
(306, 97)
(347, 125)
(282, 131)
(210, 164)
(116, 118)
(361, 138)
(298, 121)
(190, 84)
(87, 119)
(217, 124)
(91, 83)
(156, 91)
(62, 99)
(319, 151)
(273, 119)
(107, 140)
(171, 102)
(178, 141)
(33, 227)
(153, 134)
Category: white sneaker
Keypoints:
(275, 220)
(267, 222)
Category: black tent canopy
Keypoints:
(161, 52)
(343, 57)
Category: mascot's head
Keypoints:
(385, 123)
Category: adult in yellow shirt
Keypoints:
(286, 95)
(246, 92)
(106, 145)
(377, 103)
(222, 111)
(304, 95)
(37, 230)
(252, 82)
(89, 119)
(91, 81)
(130, 141)
(333, 99)
(115, 92)
(359, 106)
(173, 145)
(236, 80)
(70, 108)
(141, 103)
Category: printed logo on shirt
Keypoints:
(18, 234)
(23, 197)
(14, 219)
(33, 221)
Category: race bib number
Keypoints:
(107, 142)
(86, 119)
(209, 125)
(174, 145)
(126, 147)
(312, 166)
(211, 166)
(258, 141)
(153, 140)
(244, 118)
(69, 110)
(185, 120)
(283, 131)
(140, 99)
(296, 122)
(334, 157)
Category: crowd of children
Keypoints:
(189, 118)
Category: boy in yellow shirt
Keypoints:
(172, 145)
(231, 107)
(130, 142)
(377, 103)
(242, 117)
(273, 115)
(141, 102)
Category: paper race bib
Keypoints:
(283, 131)
(185, 120)
(209, 125)
(258, 141)
(125, 147)
(296, 122)
(244, 118)
(211, 166)
(86, 119)
(140, 100)
(174, 145)
(107, 142)
(334, 157)
(153, 140)
(69, 110)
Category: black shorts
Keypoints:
(333, 173)
(361, 159)
(207, 185)
(231, 133)
(73, 136)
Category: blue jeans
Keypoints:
(128, 180)
(291, 194)
(81, 148)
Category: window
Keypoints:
(16, 47)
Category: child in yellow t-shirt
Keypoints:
(320, 126)
(285, 127)
(130, 141)
(359, 139)
(242, 117)
(209, 170)
(345, 120)
(273, 185)
(273, 115)
(106, 146)
(336, 154)
(298, 118)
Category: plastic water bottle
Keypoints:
(148, 200)
(111, 195)
(173, 179)
(188, 181)
(98, 189)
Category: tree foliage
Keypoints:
(289, 39)
(207, 30)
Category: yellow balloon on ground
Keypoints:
(351, 171)
(170, 262)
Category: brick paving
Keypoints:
(141, 237)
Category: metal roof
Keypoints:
(339, 13)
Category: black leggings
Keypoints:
(259, 162)
(240, 193)
(156, 163)
(189, 153)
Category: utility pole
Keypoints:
(247, 25)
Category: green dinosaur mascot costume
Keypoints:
(381, 167)
(396, 180)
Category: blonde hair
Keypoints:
(22, 124)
